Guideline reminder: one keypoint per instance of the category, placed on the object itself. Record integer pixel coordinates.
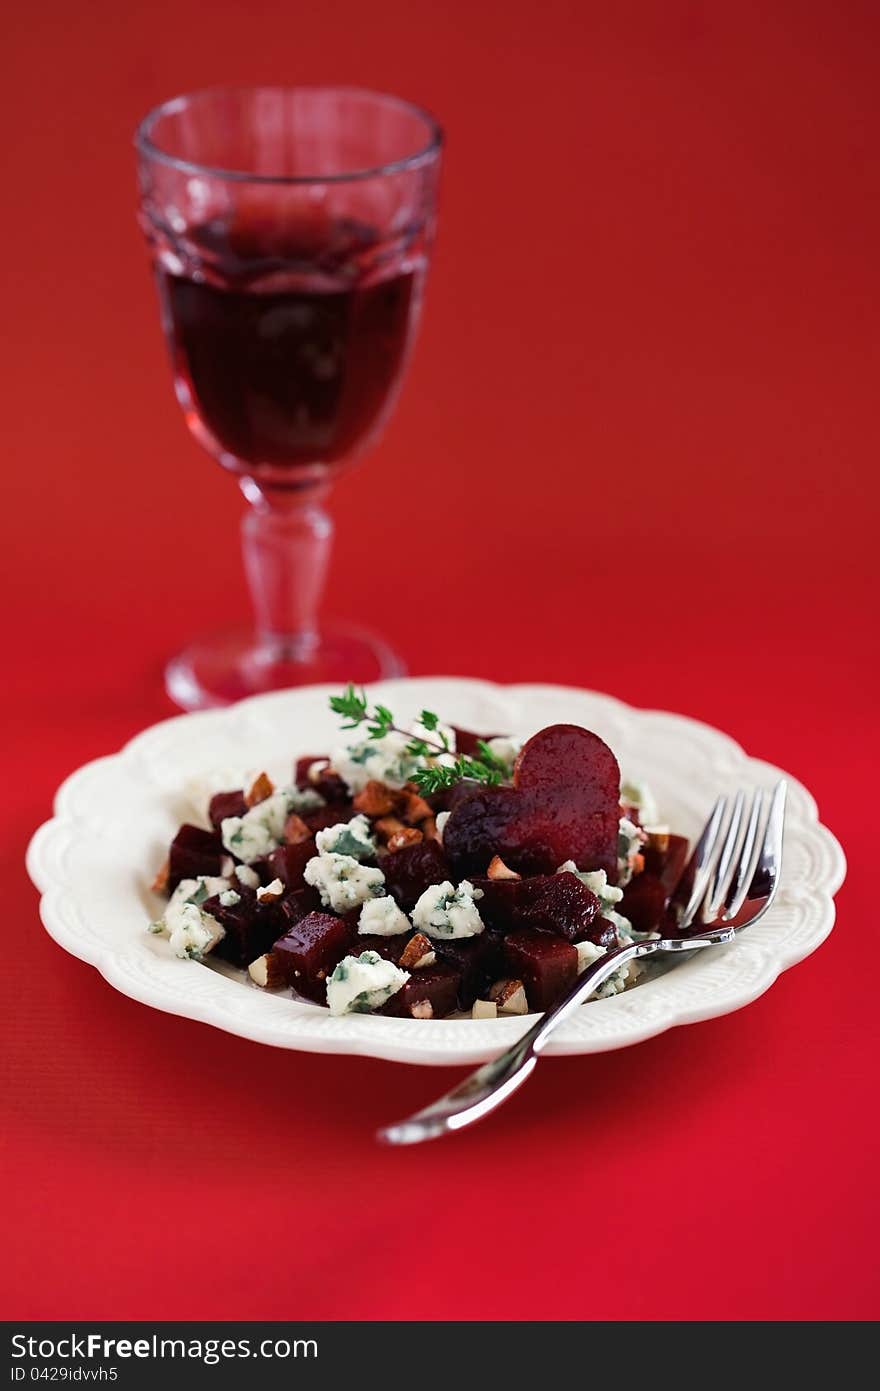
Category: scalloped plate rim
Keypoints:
(399, 1043)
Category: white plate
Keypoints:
(114, 818)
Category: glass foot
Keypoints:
(224, 667)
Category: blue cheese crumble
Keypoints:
(348, 838)
(629, 844)
(588, 952)
(247, 877)
(380, 760)
(381, 917)
(444, 911)
(361, 984)
(191, 932)
(342, 882)
(261, 830)
(625, 930)
(388, 759)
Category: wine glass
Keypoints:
(290, 231)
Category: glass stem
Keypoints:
(286, 538)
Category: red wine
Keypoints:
(289, 354)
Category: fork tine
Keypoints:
(720, 881)
(748, 859)
(755, 872)
(766, 876)
(703, 860)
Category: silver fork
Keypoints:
(728, 883)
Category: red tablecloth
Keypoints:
(640, 432)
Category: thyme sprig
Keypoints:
(355, 709)
(437, 778)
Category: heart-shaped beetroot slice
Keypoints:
(564, 805)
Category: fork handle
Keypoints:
(587, 982)
(605, 966)
(483, 1090)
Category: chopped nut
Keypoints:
(417, 953)
(484, 1009)
(375, 800)
(266, 973)
(407, 836)
(422, 1009)
(227, 867)
(160, 883)
(271, 893)
(499, 870)
(658, 838)
(295, 830)
(428, 828)
(638, 864)
(510, 997)
(261, 788)
(387, 826)
(415, 809)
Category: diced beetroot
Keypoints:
(466, 741)
(668, 864)
(322, 817)
(250, 927)
(647, 894)
(604, 933)
(644, 900)
(225, 804)
(389, 948)
(547, 966)
(302, 766)
(563, 806)
(557, 903)
(408, 872)
(437, 986)
(308, 952)
(288, 862)
(298, 903)
(505, 899)
(194, 852)
(332, 788)
(478, 959)
(330, 785)
(449, 796)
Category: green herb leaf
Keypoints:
(351, 705)
(429, 780)
(491, 759)
(438, 778)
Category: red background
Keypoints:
(641, 428)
